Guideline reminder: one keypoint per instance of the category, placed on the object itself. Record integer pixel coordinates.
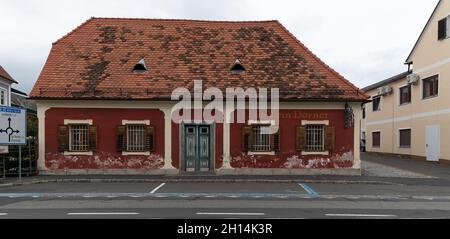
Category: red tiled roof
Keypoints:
(95, 61)
(5, 75)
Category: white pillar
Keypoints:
(226, 141)
(168, 139)
(41, 135)
(357, 111)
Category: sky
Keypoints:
(364, 40)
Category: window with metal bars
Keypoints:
(79, 137)
(261, 138)
(136, 138)
(315, 138)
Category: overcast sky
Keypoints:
(365, 40)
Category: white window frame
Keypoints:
(447, 33)
(316, 122)
(379, 106)
(6, 98)
(422, 85)
(400, 95)
(69, 122)
(448, 26)
(398, 138)
(261, 122)
(134, 122)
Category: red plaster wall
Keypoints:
(106, 156)
(288, 157)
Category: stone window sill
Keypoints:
(261, 153)
(315, 153)
(88, 153)
(136, 153)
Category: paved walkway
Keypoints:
(405, 166)
(382, 170)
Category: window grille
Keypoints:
(314, 138)
(78, 138)
(136, 138)
(261, 139)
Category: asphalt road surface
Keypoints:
(224, 200)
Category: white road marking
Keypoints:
(3, 214)
(358, 215)
(233, 196)
(281, 196)
(101, 213)
(136, 196)
(157, 188)
(232, 213)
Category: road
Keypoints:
(224, 200)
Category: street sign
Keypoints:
(12, 126)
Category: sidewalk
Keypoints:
(433, 169)
(377, 170)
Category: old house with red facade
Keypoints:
(104, 101)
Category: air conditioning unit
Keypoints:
(412, 79)
(385, 90)
(380, 91)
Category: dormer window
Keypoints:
(237, 67)
(140, 66)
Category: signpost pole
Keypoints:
(29, 156)
(4, 166)
(20, 162)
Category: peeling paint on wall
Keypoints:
(104, 160)
(344, 160)
(342, 156)
(293, 161)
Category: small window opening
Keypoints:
(140, 66)
(238, 68)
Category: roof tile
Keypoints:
(96, 59)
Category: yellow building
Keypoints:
(409, 114)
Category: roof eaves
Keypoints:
(387, 81)
(6, 76)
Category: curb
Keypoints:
(87, 180)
